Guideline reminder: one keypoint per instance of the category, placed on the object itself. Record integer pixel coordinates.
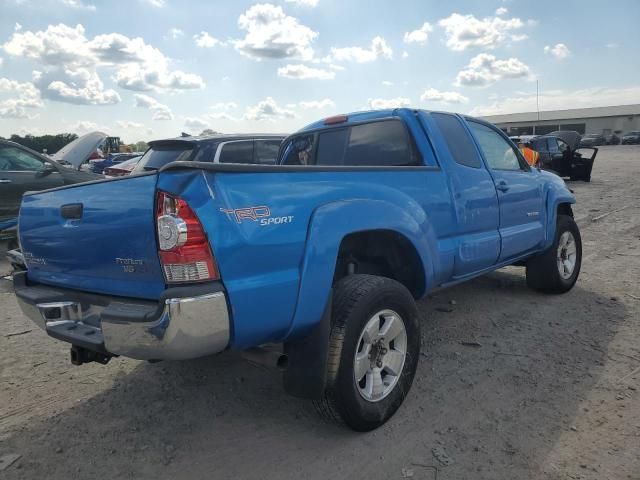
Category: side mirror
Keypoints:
(47, 169)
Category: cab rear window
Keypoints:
(160, 155)
(382, 143)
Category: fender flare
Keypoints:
(328, 226)
(554, 198)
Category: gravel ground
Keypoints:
(550, 390)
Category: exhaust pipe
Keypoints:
(266, 358)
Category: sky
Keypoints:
(148, 69)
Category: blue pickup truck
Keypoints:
(324, 253)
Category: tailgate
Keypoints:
(102, 241)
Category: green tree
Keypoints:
(42, 143)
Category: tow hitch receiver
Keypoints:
(81, 355)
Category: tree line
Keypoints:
(44, 143)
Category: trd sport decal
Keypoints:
(261, 214)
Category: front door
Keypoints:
(519, 193)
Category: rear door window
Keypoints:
(266, 151)
(160, 155)
(460, 144)
(237, 152)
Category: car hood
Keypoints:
(570, 137)
(79, 151)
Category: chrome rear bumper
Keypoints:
(177, 328)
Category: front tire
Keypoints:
(557, 269)
(374, 348)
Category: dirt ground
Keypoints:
(550, 391)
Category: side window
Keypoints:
(553, 145)
(266, 151)
(237, 152)
(380, 144)
(331, 146)
(205, 153)
(14, 159)
(299, 150)
(460, 145)
(497, 151)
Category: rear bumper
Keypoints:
(187, 322)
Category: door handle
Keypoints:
(5, 180)
(502, 186)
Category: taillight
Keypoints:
(185, 253)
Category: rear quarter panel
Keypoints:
(278, 276)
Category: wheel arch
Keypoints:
(335, 226)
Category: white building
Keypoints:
(606, 120)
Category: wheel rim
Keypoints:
(380, 355)
(567, 255)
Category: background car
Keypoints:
(559, 153)
(22, 169)
(241, 148)
(612, 139)
(123, 168)
(99, 165)
(631, 138)
(593, 140)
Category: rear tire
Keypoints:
(374, 348)
(557, 269)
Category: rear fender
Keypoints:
(329, 224)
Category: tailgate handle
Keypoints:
(71, 211)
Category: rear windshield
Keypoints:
(159, 155)
(382, 143)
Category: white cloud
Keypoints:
(155, 3)
(78, 85)
(223, 116)
(303, 72)
(129, 124)
(224, 106)
(270, 33)
(405, 54)
(175, 33)
(420, 35)
(160, 111)
(85, 126)
(1, 61)
(314, 104)
(612, 45)
(24, 96)
(561, 100)
(433, 95)
(387, 83)
(559, 51)
(381, 103)
(17, 27)
(485, 69)
(204, 40)
(138, 65)
(196, 123)
(501, 11)
(378, 49)
(305, 3)
(79, 4)
(467, 31)
(267, 109)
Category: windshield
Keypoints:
(158, 156)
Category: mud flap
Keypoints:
(306, 374)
